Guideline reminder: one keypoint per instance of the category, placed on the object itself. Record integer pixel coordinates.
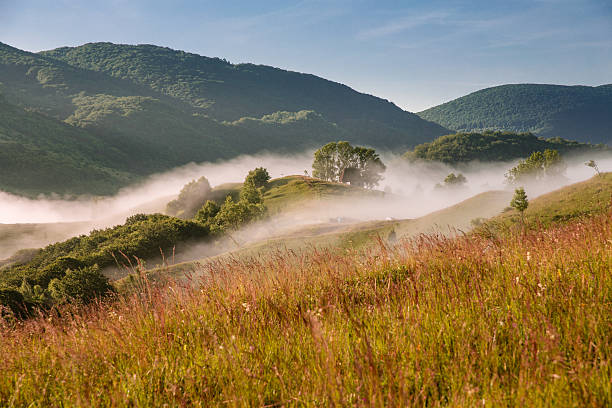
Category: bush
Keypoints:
(80, 285)
(13, 301)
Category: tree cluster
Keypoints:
(538, 166)
(491, 146)
(341, 162)
(233, 214)
(190, 199)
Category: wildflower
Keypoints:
(528, 256)
(247, 307)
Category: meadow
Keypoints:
(518, 318)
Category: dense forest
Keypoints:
(582, 113)
(493, 146)
(103, 115)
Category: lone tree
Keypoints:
(593, 165)
(520, 202)
(537, 166)
(258, 177)
(341, 162)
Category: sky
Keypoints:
(416, 54)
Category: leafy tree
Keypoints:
(537, 166)
(520, 201)
(190, 199)
(592, 164)
(207, 212)
(341, 162)
(258, 177)
(453, 180)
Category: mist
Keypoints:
(410, 192)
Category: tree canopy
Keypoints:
(537, 166)
(190, 199)
(341, 162)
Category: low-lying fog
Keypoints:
(412, 186)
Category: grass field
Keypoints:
(519, 319)
(574, 201)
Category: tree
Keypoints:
(538, 166)
(341, 162)
(593, 165)
(258, 177)
(453, 180)
(190, 199)
(207, 212)
(520, 202)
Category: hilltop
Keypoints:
(493, 146)
(147, 109)
(581, 113)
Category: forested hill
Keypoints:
(494, 146)
(147, 109)
(582, 113)
(229, 92)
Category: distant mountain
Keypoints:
(493, 146)
(582, 113)
(228, 92)
(103, 115)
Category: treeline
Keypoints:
(492, 146)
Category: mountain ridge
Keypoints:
(153, 104)
(575, 112)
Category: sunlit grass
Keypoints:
(522, 319)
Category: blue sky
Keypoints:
(414, 53)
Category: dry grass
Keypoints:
(522, 319)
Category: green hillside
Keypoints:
(149, 109)
(226, 91)
(587, 198)
(343, 236)
(580, 113)
(493, 146)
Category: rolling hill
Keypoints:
(145, 109)
(579, 200)
(228, 92)
(581, 113)
(492, 146)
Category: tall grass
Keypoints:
(523, 319)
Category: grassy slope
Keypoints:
(350, 236)
(577, 200)
(520, 321)
(580, 113)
